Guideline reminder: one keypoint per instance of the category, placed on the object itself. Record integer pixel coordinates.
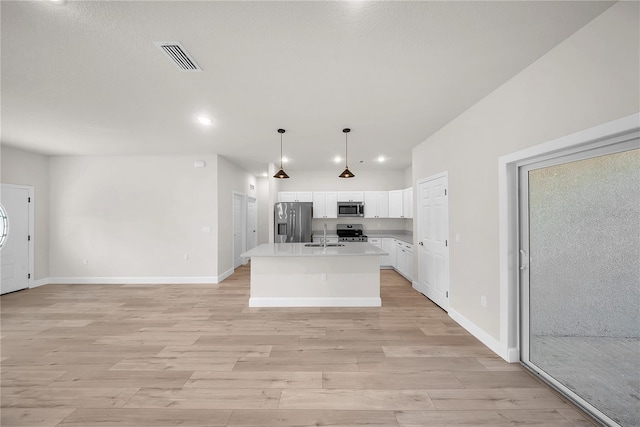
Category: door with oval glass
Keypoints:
(14, 251)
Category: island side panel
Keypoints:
(327, 281)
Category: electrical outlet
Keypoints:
(186, 257)
(483, 301)
(85, 261)
(323, 276)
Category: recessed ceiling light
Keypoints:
(337, 159)
(204, 120)
(285, 160)
(381, 159)
(264, 174)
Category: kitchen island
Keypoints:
(312, 275)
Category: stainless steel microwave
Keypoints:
(350, 209)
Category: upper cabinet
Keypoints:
(407, 202)
(395, 204)
(401, 203)
(325, 204)
(376, 204)
(350, 196)
(295, 196)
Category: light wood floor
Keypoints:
(196, 355)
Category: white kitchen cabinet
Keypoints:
(295, 196)
(325, 204)
(404, 259)
(388, 246)
(395, 204)
(409, 262)
(401, 203)
(350, 196)
(378, 243)
(376, 204)
(407, 202)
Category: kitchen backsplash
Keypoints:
(370, 224)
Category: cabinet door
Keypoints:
(388, 247)
(331, 204)
(395, 204)
(357, 196)
(350, 196)
(344, 196)
(407, 202)
(304, 196)
(401, 261)
(286, 196)
(409, 264)
(377, 243)
(371, 204)
(383, 204)
(319, 205)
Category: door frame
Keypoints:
(243, 228)
(249, 199)
(32, 228)
(508, 347)
(444, 174)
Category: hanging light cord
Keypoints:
(346, 150)
(280, 150)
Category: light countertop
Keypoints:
(405, 236)
(300, 250)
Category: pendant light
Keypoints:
(347, 173)
(281, 173)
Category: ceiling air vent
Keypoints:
(178, 55)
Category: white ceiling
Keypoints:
(85, 77)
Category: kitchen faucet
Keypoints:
(324, 240)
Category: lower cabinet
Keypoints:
(387, 245)
(400, 255)
(404, 259)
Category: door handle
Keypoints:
(524, 262)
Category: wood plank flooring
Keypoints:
(196, 355)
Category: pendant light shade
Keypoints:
(346, 173)
(281, 174)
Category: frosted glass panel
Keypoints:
(584, 279)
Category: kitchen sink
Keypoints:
(322, 245)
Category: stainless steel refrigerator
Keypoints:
(293, 222)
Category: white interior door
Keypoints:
(15, 251)
(238, 229)
(252, 223)
(433, 236)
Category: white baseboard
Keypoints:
(315, 302)
(224, 275)
(212, 280)
(486, 339)
(133, 280)
(40, 282)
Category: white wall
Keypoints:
(133, 216)
(24, 168)
(589, 79)
(230, 178)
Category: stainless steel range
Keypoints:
(351, 233)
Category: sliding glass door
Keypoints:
(580, 277)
